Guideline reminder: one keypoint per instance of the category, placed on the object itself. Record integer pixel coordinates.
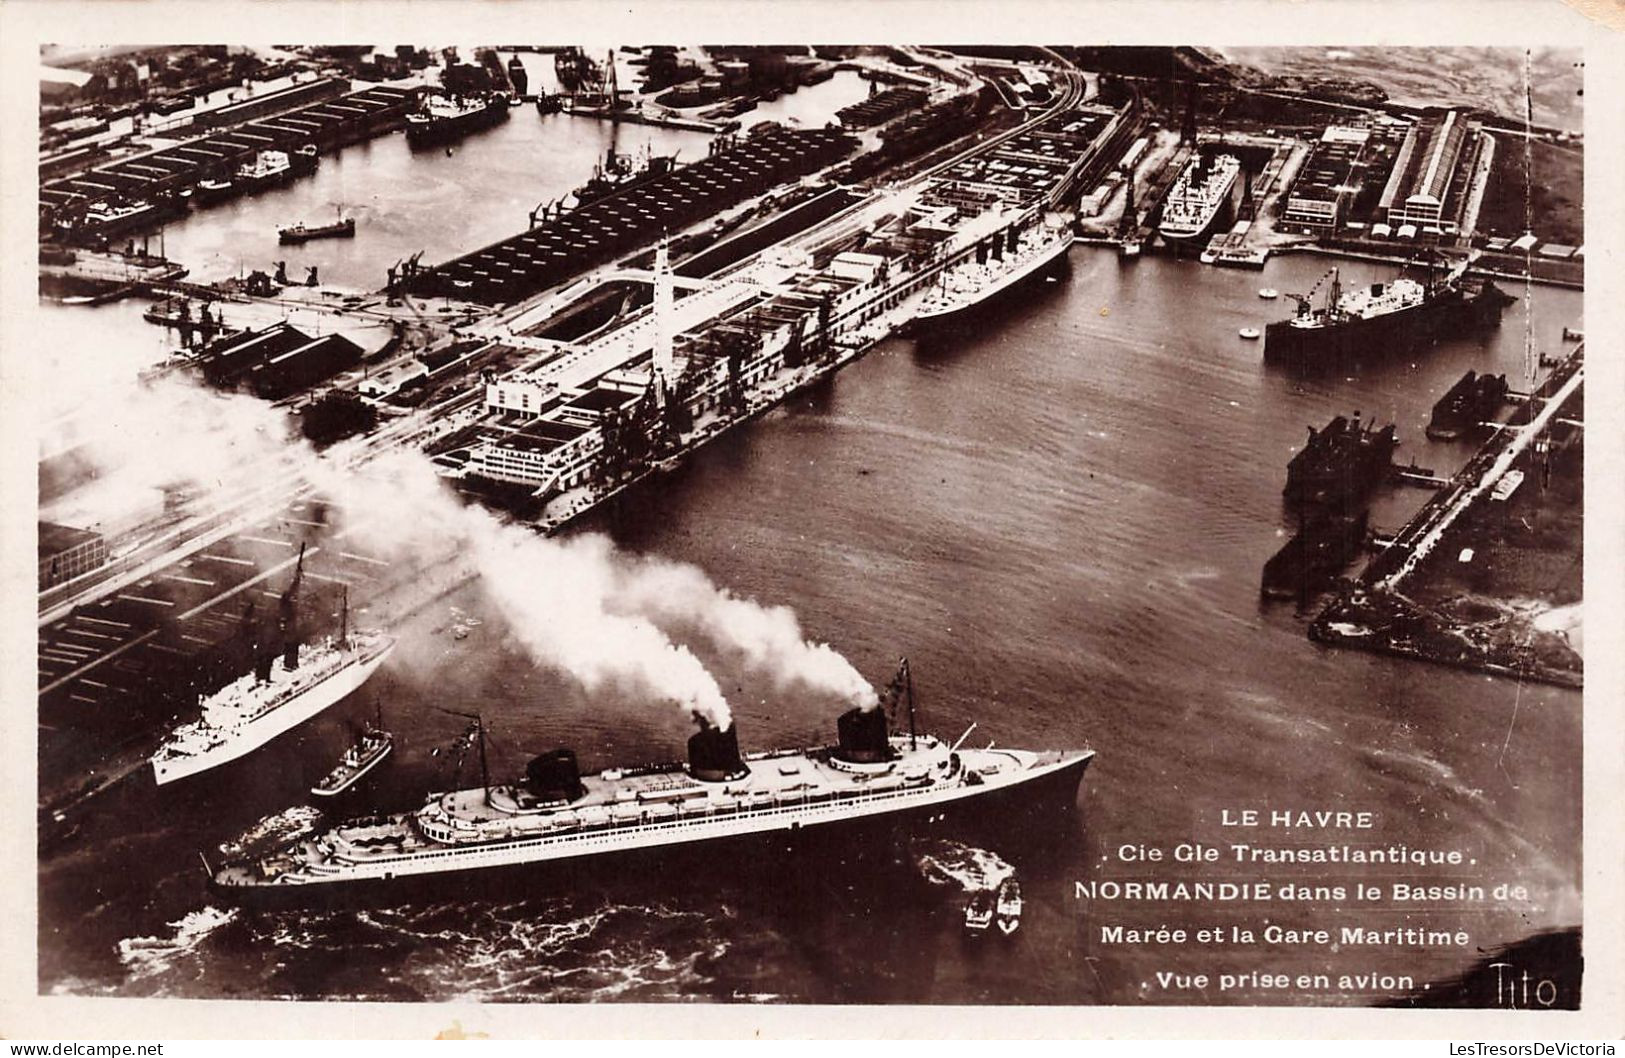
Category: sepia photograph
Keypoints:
(901, 523)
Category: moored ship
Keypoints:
(268, 169)
(1381, 321)
(444, 118)
(282, 691)
(620, 172)
(1015, 255)
(1340, 463)
(1202, 200)
(558, 816)
(1470, 402)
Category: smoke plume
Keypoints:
(579, 605)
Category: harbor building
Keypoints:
(66, 552)
(1328, 181)
(1425, 191)
(709, 348)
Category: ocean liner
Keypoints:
(1015, 256)
(1383, 320)
(444, 118)
(1202, 200)
(557, 816)
(282, 692)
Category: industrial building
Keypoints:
(326, 122)
(66, 552)
(569, 243)
(277, 362)
(1328, 181)
(1424, 194)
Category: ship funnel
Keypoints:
(862, 734)
(554, 776)
(713, 754)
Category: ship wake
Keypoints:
(953, 863)
(146, 957)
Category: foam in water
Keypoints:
(147, 956)
(969, 867)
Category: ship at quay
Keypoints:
(283, 691)
(1202, 200)
(446, 118)
(1384, 320)
(871, 777)
(1025, 250)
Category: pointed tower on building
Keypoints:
(661, 375)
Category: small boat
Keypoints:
(1572, 335)
(1250, 333)
(1008, 906)
(210, 191)
(1269, 293)
(979, 911)
(373, 746)
(1129, 248)
(344, 229)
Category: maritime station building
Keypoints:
(728, 337)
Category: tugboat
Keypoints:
(373, 746)
(343, 229)
(1008, 906)
(979, 910)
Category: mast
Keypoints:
(485, 771)
(908, 684)
(344, 615)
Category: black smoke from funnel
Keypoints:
(862, 736)
(713, 754)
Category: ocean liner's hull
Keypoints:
(1009, 808)
(278, 721)
(1192, 238)
(958, 311)
(1375, 338)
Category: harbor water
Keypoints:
(1058, 512)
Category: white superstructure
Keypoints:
(1199, 197)
(971, 283)
(248, 713)
(619, 811)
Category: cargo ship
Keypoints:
(298, 233)
(1015, 255)
(268, 169)
(1341, 463)
(114, 219)
(1472, 400)
(1202, 200)
(620, 172)
(558, 817)
(1381, 321)
(444, 118)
